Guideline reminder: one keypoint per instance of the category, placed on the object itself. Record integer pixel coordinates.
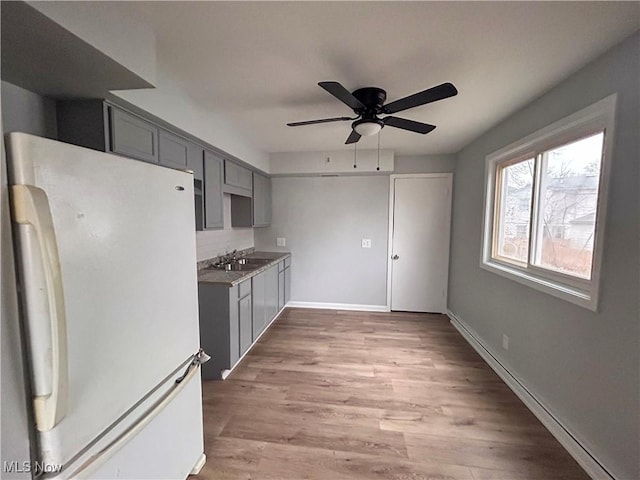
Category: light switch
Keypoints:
(366, 243)
(281, 242)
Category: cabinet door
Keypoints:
(245, 179)
(234, 328)
(258, 292)
(287, 285)
(213, 211)
(256, 206)
(237, 176)
(244, 311)
(261, 200)
(173, 150)
(267, 202)
(271, 293)
(280, 290)
(195, 161)
(133, 137)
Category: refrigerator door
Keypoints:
(107, 259)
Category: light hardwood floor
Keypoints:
(338, 395)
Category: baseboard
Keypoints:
(339, 306)
(581, 455)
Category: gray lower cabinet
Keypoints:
(213, 199)
(281, 301)
(287, 280)
(284, 282)
(258, 287)
(265, 299)
(225, 325)
(271, 293)
(245, 320)
(261, 200)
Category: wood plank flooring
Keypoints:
(336, 395)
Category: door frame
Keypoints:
(392, 192)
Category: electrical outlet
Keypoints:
(281, 242)
(505, 342)
(366, 243)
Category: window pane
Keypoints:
(569, 197)
(514, 211)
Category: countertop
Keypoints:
(231, 278)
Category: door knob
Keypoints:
(394, 257)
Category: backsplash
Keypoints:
(214, 243)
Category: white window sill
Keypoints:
(584, 298)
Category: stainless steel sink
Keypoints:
(236, 267)
(257, 261)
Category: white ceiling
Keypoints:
(258, 63)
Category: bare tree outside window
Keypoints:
(569, 196)
(515, 210)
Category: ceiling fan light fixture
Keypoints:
(367, 128)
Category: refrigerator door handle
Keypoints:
(31, 207)
(84, 470)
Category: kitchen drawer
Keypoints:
(244, 288)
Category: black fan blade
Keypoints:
(324, 120)
(434, 94)
(353, 138)
(342, 94)
(410, 125)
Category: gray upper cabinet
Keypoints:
(174, 150)
(237, 179)
(132, 136)
(195, 160)
(261, 200)
(101, 126)
(213, 200)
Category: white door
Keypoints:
(420, 223)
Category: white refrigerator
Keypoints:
(106, 263)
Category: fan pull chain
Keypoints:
(355, 155)
(378, 167)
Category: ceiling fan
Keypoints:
(367, 103)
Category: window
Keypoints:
(545, 203)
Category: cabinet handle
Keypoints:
(395, 257)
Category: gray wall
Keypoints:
(25, 111)
(324, 220)
(424, 164)
(583, 366)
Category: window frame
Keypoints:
(597, 117)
